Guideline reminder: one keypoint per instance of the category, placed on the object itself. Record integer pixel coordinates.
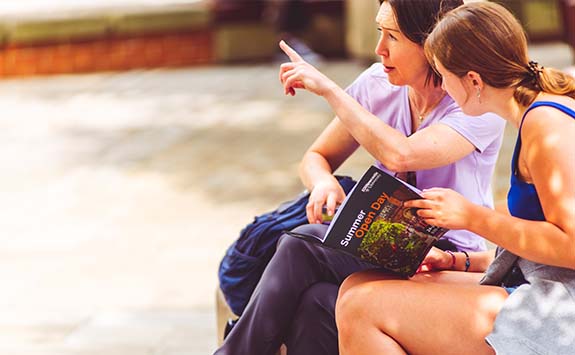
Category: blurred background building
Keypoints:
(106, 35)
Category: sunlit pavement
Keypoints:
(120, 193)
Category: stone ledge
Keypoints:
(102, 22)
(134, 37)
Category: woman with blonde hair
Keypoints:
(525, 302)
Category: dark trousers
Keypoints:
(294, 302)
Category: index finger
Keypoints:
(417, 203)
(293, 55)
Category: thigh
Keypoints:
(432, 317)
(312, 261)
(447, 276)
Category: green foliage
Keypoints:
(392, 245)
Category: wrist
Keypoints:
(318, 178)
(476, 217)
(451, 262)
(331, 91)
(461, 262)
(467, 261)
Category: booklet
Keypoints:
(373, 224)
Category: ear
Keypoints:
(475, 79)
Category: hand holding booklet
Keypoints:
(373, 224)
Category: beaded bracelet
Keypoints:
(467, 261)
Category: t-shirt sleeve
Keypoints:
(360, 88)
(481, 131)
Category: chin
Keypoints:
(394, 80)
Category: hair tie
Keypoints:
(534, 71)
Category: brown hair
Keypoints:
(484, 37)
(417, 18)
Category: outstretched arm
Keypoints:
(432, 147)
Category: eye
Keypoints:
(392, 37)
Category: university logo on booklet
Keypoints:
(373, 224)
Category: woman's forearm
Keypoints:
(538, 241)
(478, 261)
(313, 168)
(385, 143)
(434, 146)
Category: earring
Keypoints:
(479, 94)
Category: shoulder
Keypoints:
(375, 76)
(372, 87)
(547, 132)
(544, 120)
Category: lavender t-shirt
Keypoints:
(470, 176)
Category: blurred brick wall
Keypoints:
(108, 54)
(166, 36)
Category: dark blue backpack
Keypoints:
(245, 260)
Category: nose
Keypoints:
(381, 48)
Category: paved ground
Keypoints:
(120, 193)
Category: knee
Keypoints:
(349, 282)
(353, 303)
(295, 245)
(317, 230)
(289, 244)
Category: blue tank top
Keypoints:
(522, 199)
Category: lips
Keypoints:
(387, 69)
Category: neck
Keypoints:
(425, 96)
(504, 105)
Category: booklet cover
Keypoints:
(373, 224)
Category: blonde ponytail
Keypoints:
(540, 79)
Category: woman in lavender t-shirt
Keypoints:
(397, 111)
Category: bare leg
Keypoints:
(434, 313)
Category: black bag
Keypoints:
(245, 260)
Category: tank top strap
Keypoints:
(566, 110)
